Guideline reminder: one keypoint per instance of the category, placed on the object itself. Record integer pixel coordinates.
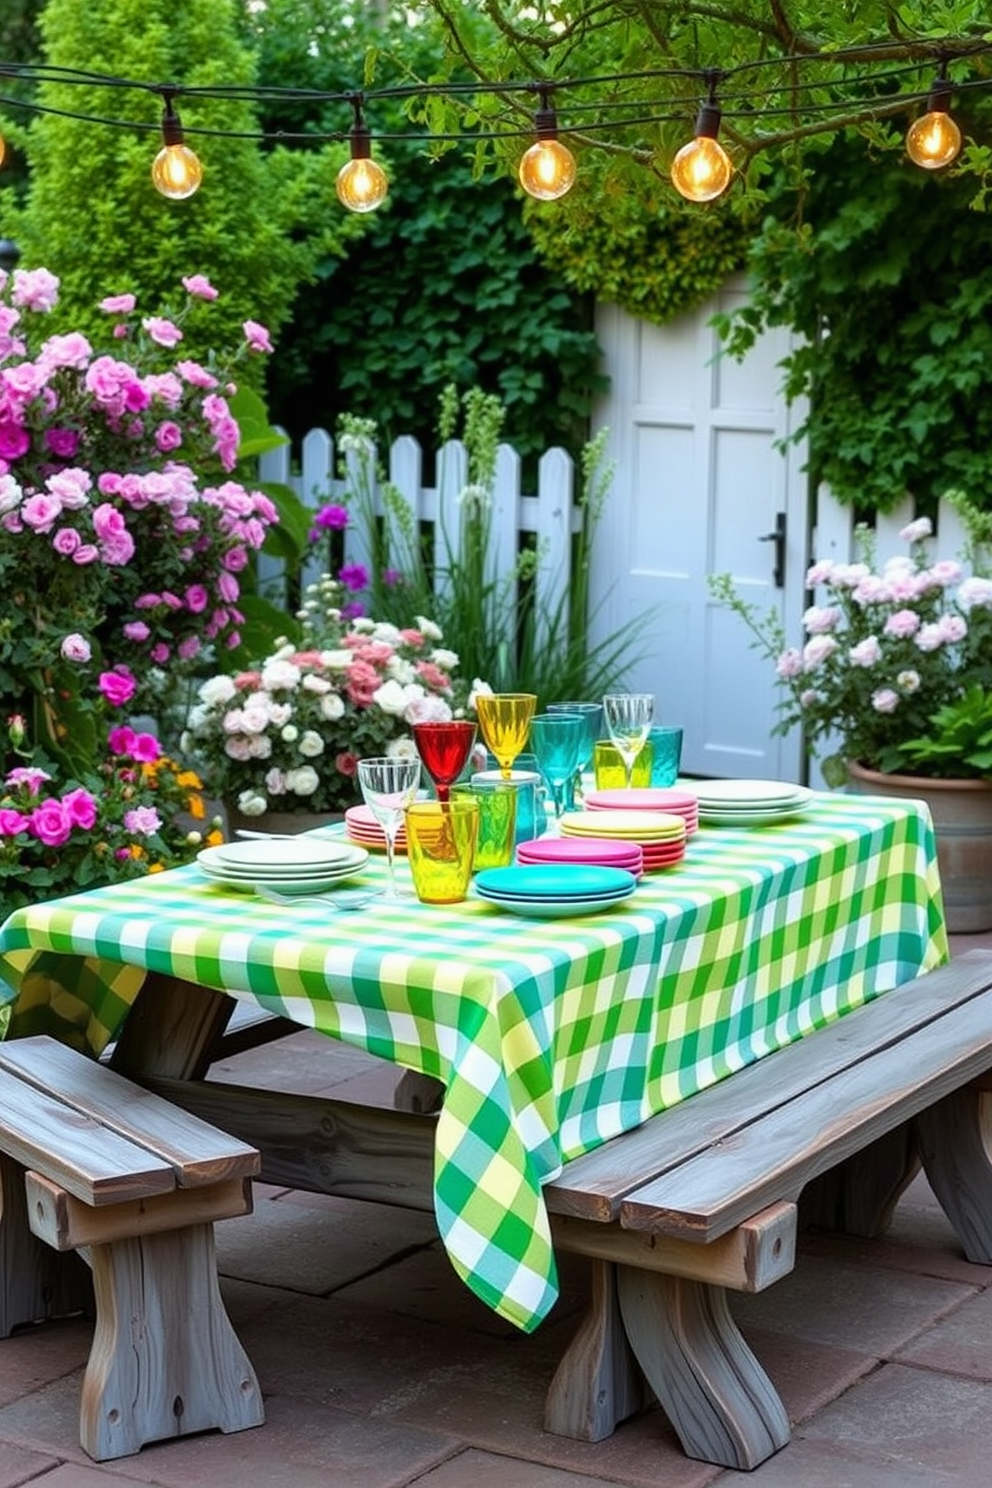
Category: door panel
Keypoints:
(698, 484)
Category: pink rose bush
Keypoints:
(122, 522)
(287, 734)
(896, 669)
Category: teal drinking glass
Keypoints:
(593, 715)
(557, 740)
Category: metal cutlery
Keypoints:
(339, 899)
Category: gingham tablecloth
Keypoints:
(550, 1036)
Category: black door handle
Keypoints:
(778, 538)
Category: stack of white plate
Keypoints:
(749, 803)
(294, 865)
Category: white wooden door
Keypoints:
(699, 483)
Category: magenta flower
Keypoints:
(81, 808)
(50, 823)
(15, 440)
(332, 517)
(354, 576)
(118, 686)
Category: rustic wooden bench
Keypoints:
(833, 1127)
(91, 1163)
(701, 1200)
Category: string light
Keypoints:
(934, 140)
(362, 183)
(547, 169)
(176, 171)
(701, 170)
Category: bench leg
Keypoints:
(165, 1360)
(713, 1390)
(859, 1195)
(597, 1384)
(35, 1282)
(954, 1140)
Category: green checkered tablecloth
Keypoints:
(550, 1036)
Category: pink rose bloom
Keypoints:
(866, 653)
(789, 664)
(817, 650)
(432, 676)
(196, 375)
(235, 559)
(189, 648)
(147, 601)
(257, 336)
(118, 686)
(80, 807)
(63, 443)
(199, 286)
(952, 628)
(885, 700)
(143, 821)
(66, 542)
(41, 512)
(146, 749)
(50, 823)
(228, 587)
(86, 553)
(197, 599)
(120, 740)
(930, 637)
(163, 332)
(165, 386)
(35, 289)
(817, 620)
(917, 531)
(12, 822)
(72, 350)
(168, 436)
(902, 623)
(945, 572)
(871, 590)
(137, 631)
(118, 549)
(346, 764)
(121, 304)
(14, 440)
(29, 776)
(973, 591)
(76, 648)
(159, 653)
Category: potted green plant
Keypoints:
(893, 691)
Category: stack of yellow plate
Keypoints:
(661, 834)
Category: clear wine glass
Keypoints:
(628, 718)
(444, 749)
(388, 786)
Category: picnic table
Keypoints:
(550, 1037)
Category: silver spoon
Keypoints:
(343, 899)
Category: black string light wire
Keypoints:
(862, 85)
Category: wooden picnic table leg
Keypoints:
(597, 1384)
(721, 1403)
(859, 1195)
(954, 1136)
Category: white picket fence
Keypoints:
(834, 532)
(551, 515)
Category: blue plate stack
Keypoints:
(554, 891)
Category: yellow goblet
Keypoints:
(504, 718)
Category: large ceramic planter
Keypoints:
(962, 819)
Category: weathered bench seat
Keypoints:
(91, 1162)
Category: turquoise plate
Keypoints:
(558, 881)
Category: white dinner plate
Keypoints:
(277, 853)
(732, 795)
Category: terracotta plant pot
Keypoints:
(962, 819)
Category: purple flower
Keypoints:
(354, 576)
(62, 442)
(332, 517)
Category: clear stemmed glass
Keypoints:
(444, 749)
(557, 740)
(593, 715)
(388, 786)
(628, 718)
(504, 718)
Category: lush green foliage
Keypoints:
(91, 212)
(888, 283)
(446, 287)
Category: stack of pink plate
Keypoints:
(659, 834)
(605, 851)
(657, 798)
(363, 828)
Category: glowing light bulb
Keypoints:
(934, 140)
(361, 184)
(547, 170)
(701, 170)
(176, 171)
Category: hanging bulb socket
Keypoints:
(701, 170)
(362, 183)
(176, 170)
(547, 170)
(934, 140)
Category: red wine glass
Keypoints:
(444, 749)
